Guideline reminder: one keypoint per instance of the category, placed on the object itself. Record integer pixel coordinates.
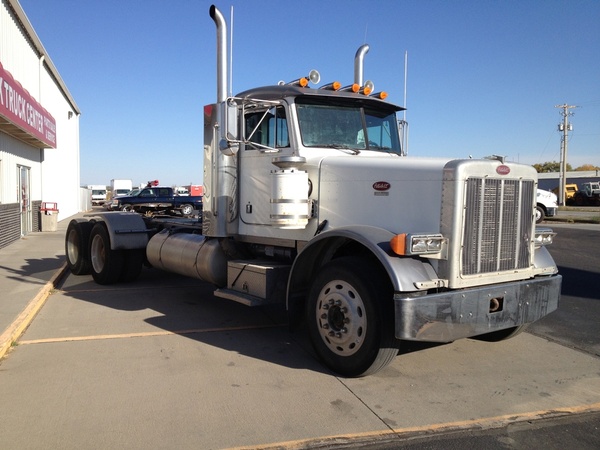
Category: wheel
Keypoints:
(187, 210)
(76, 246)
(107, 264)
(127, 208)
(132, 265)
(351, 319)
(539, 214)
(501, 335)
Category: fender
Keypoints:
(126, 230)
(403, 272)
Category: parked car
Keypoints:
(158, 199)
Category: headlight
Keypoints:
(543, 236)
(417, 244)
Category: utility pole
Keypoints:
(564, 127)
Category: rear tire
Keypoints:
(350, 317)
(106, 264)
(77, 246)
(187, 210)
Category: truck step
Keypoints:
(245, 299)
(253, 282)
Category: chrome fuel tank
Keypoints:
(191, 255)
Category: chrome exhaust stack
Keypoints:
(219, 20)
(220, 202)
(359, 63)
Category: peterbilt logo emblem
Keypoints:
(503, 170)
(381, 185)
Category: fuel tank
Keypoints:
(191, 255)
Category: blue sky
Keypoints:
(483, 76)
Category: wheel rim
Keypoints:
(98, 254)
(538, 215)
(341, 318)
(72, 247)
(187, 210)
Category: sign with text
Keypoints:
(23, 111)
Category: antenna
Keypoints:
(403, 124)
(405, 76)
(231, 52)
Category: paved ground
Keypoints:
(162, 363)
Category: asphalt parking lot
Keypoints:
(162, 363)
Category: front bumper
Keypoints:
(551, 212)
(463, 313)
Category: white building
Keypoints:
(39, 130)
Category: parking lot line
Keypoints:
(100, 337)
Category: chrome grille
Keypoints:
(498, 225)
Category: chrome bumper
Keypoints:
(470, 312)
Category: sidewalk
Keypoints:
(29, 270)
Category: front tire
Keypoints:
(539, 214)
(106, 264)
(350, 317)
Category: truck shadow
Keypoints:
(187, 307)
(160, 301)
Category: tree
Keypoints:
(586, 167)
(550, 167)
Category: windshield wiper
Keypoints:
(342, 147)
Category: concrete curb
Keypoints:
(16, 329)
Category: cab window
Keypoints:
(266, 129)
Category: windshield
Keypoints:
(347, 127)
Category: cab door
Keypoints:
(266, 137)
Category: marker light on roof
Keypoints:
(353, 87)
(380, 95)
(336, 85)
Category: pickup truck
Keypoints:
(158, 199)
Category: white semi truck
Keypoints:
(309, 201)
(120, 187)
(98, 193)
